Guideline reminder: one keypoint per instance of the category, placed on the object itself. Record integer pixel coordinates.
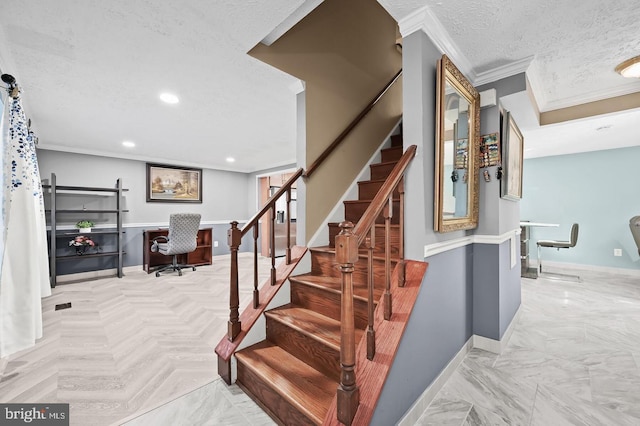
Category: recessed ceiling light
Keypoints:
(128, 144)
(230, 159)
(630, 68)
(169, 98)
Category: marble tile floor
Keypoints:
(133, 344)
(573, 359)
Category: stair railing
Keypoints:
(234, 237)
(347, 243)
(325, 154)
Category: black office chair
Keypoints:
(558, 245)
(634, 224)
(182, 239)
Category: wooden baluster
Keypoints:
(289, 226)
(234, 237)
(256, 292)
(371, 334)
(387, 212)
(348, 393)
(401, 265)
(273, 244)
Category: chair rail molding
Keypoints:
(442, 246)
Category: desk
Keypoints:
(202, 255)
(525, 228)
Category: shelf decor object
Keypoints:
(100, 238)
(85, 226)
(81, 243)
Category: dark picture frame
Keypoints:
(173, 184)
(512, 158)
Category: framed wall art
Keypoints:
(512, 156)
(173, 184)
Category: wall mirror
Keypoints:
(457, 150)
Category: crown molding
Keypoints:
(504, 71)
(297, 86)
(424, 19)
(593, 96)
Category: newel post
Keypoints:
(348, 394)
(234, 238)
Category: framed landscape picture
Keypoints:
(512, 155)
(172, 184)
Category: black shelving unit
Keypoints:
(54, 212)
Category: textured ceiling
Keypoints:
(92, 70)
(573, 47)
(576, 44)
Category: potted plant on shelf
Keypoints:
(85, 225)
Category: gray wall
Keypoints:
(440, 324)
(223, 200)
(467, 290)
(498, 215)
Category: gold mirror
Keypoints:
(457, 150)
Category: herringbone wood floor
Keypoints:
(127, 345)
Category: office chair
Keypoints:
(558, 245)
(182, 239)
(634, 224)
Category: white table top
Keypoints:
(537, 224)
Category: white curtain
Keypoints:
(24, 270)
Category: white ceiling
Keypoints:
(92, 71)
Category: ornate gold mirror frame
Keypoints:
(457, 150)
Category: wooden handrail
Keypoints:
(382, 197)
(347, 243)
(351, 126)
(234, 237)
(272, 201)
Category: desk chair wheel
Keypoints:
(193, 267)
(157, 274)
(179, 272)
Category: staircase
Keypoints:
(295, 372)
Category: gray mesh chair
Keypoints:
(558, 244)
(182, 239)
(634, 224)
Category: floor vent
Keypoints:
(63, 306)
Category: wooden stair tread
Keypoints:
(371, 181)
(386, 163)
(362, 253)
(366, 201)
(320, 327)
(310, 391)
(377, 225)
(335, 284)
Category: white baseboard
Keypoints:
(580, 267)
(422, 403)
(497, 346)
(92, 275)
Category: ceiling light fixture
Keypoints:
(169, 98)
(630, 68)
(128, 144)
(230, 159)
